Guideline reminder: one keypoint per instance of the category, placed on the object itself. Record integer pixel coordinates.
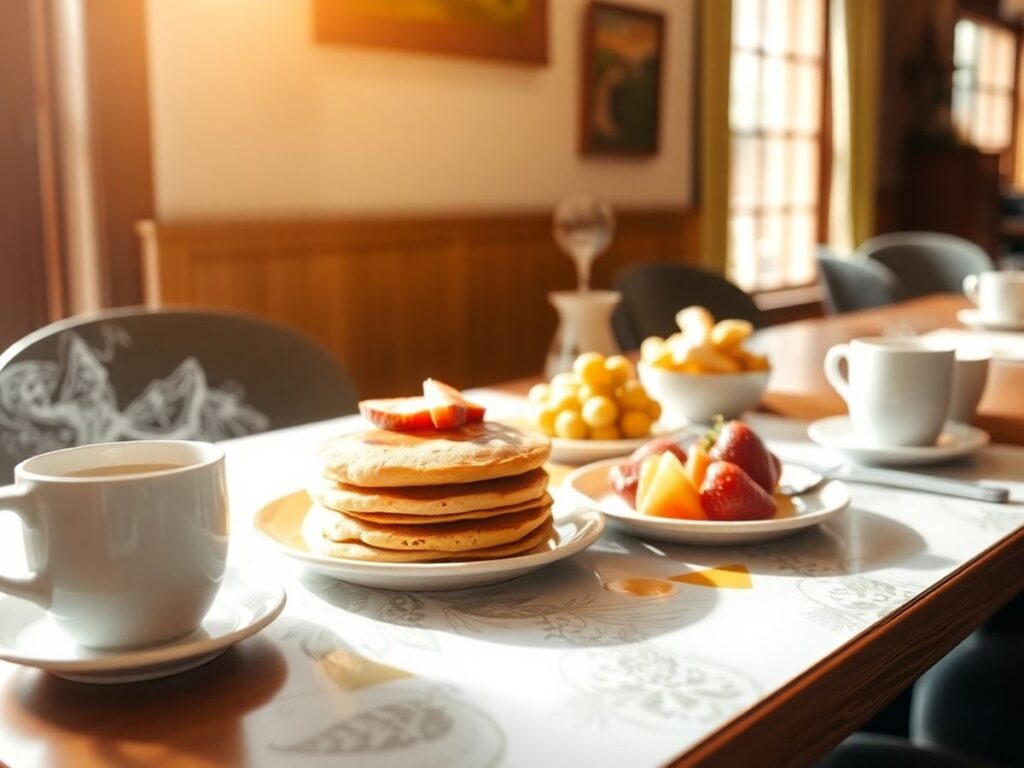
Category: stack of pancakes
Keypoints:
(472, 493)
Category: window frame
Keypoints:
(1008, 155)
(824, 145)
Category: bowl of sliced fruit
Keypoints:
(703, 370)
(597, 410)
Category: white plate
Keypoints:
(972, 319)
(593, 483)
(280, 523)
(956, 440)
(564, 451)
(242, 608)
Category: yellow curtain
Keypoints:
(856, 48)
(713, 162)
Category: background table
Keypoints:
(798, 387)
(772, 655)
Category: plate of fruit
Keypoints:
(597, 410)
(722, 490)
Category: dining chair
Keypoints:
(653, 292)
(927, 262)
(970, 700)
(854, 283)
(134, 373)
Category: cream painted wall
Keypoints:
(251, 118)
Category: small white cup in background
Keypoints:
(999, 296)
(127, 559)
(897, 390)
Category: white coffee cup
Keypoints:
(125, 559)
(897, 390)
(999, 296)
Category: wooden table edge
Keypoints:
(803, 720)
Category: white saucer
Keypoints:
(956, 440)
(564, 451)
(280, 523)
(592, 482)
(245, 604)
(972, 319)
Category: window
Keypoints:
(775, 119)
(984, 68)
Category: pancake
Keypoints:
(457, 536)
(432, 500)
(382, 517)
(378, 458)
(537, 540)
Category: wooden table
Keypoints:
(798, 387)
(555, 667)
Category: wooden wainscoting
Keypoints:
(398, 299)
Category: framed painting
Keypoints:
(511, 30)
(623, 48)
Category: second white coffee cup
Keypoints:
(897, 390)
(999, 296)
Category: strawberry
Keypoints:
(737, 443)
(626, 475)
(729, 493)
(398, 414)
(438, 393)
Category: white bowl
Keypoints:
(696, 398)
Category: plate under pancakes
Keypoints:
(378, 458)
(279, 523)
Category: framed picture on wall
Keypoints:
(511, 30)
(623, 49)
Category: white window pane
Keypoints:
(800, 267)
(961, 112)
(746, 23)
(804, 172)
(776, 26)
(776, 172)
(744, 187)
(999, 131)
(985, 57)
(805, 95)
(743, 250)
(965, 43)
(808, 27)
(773, 94)
(743, 91)
(771, 252)
(1003, 49)
(982, 119)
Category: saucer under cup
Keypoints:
(245, 604)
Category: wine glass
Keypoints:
(583, 228)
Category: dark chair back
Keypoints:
(855, 283)
(652, 293)
(927, 262)
(133, 374)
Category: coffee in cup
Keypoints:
(999, 296)
(127, 542)
(897, 390)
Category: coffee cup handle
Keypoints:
(35, 587)
(834, 375)
(971, 288)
